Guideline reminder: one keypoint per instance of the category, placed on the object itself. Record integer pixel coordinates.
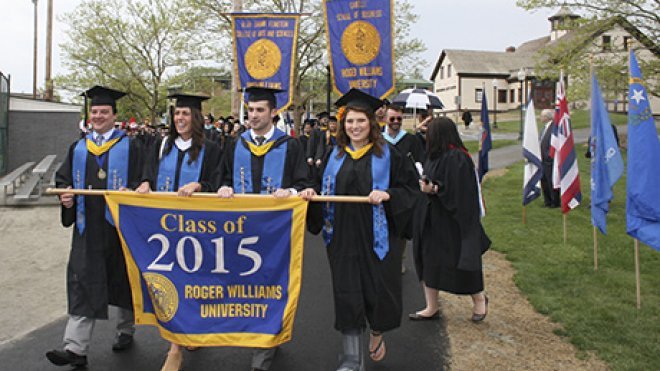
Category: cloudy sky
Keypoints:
(443, 24)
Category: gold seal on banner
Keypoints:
(262, 59)
(163, 295)
(360, 42)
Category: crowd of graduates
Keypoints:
(421, 187)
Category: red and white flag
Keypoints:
(566, 176)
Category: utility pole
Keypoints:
(34, 59)
(49, 51)
(237, 7)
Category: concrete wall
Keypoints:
(33, 135)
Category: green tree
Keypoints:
(129, 45)
(576, 53)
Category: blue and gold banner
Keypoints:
(361, 45)
(213, 272)
(264, 46)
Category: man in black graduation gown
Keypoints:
(261, 111)
(96, 272)
(551, 196)
(314, 153)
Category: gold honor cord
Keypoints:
(102, 192)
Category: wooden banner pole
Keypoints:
(102, 192)
(565, 231)
(637, 278)
(595, 249)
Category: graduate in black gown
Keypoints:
(252, 164)
(449, 238)
(185, 161)
(96, 273)
(363, 239)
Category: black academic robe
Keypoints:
(315, 145)
(96, 272)
(295, 170)
(365, 288)
(211, 134)
(410, 147)
(304, 139)
(208, 173)
(449, 238)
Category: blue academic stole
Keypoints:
(190, 172)
(117, 170)
(380, 175)
(396, 139)
(273, 169)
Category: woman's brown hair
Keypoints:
(197, 123)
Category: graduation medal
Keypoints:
(101, 174)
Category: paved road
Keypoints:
(315, 344)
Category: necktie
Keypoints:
(260, 139)
(99, 140)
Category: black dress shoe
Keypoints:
(480, 317)
(66, 357)
(122, 342)
(418, 317)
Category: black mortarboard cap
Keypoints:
(188, 100)
(322, 115)
(256, 94)
(357, 98)
(102, 96)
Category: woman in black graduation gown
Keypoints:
(360, 238)
(449, 239)
(184, 162)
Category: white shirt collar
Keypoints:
(268, 135)
(181, 144)
(106, 136)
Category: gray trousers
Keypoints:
(263, 357)
(78, 332)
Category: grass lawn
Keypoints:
(579, 119)
(596, 308)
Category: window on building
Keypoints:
(607, 42)
(478, 95)
(501, 96)
(442, 72)
(448, 70)
(625, 42)
(512, 95)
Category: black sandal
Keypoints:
(373, 354)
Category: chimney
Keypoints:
(511, 49)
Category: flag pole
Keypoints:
(595, 249)
(591, 114)
(637, 278)
(565, 229)
(103, 192)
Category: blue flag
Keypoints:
(606, 161)
(265, 45)
(360, 38)
(643, 188)
(486, 142)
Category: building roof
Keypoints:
(485, 62)
(508, 63)
(36, 105)
(564, 12)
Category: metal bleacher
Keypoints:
(25, 184)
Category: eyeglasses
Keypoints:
(392, 119)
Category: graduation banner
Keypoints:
(264, 46)
(213, 272)
(360, 40)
